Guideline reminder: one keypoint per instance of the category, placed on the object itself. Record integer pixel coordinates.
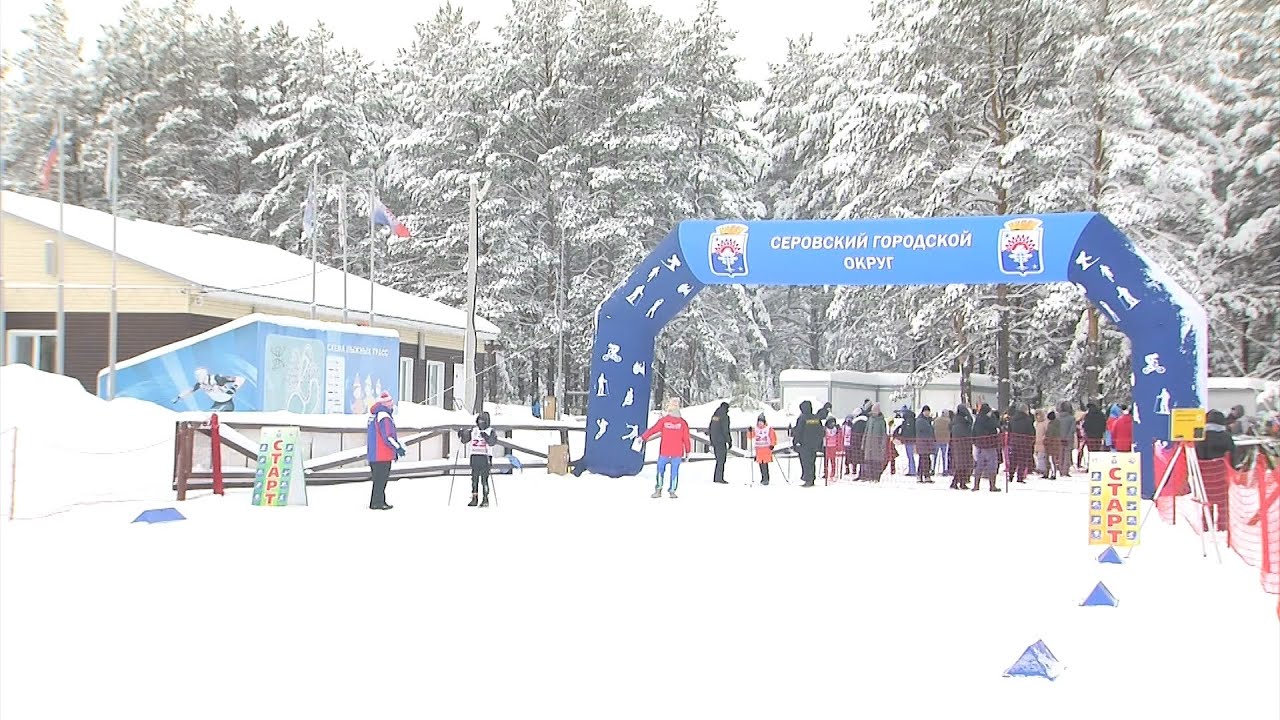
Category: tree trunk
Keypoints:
(659, 376)
(1244, 346)
(1092, 353)
(815, 333)
(1004, 389)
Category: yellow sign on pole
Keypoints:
(1186, 424)
(1115, 498)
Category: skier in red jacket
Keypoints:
(675, 446)
(1122, 431)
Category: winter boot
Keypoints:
(485, 502)
(977, 484)
(672, 494)
(657, 493)
(954, 484)
(474, 501)
(992, 485)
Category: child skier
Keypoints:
(480, 441)
(675, 446)
(831, 442)
(765, 440)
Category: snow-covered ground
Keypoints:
(584, 598)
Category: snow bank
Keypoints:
(73, 448)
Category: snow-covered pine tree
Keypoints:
(46, 76)
(806, 94)
(320, 122)
(443, 90)
(532, 171)
(1242, 273)
(707, 349)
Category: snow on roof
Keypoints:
(302, 323)
(873, 379)
(232, 268)
(1237, 383)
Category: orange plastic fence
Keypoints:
(1254, 529)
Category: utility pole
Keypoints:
(473, 259)
(61, 350)
(560, 309)
(113, 333)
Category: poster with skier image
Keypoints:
(267, 363)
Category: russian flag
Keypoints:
(50, 162)
(383, 216)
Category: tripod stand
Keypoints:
(1186, 452)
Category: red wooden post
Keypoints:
(215, 447)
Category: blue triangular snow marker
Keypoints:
(1100, 596)
(1110, 556)
(159, 515)
(1036, 661)
(515, 462)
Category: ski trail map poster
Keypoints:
(280, 479)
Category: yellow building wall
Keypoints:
(142, 289)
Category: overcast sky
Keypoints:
(379, 27)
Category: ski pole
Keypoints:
(453, 474)
(782, 470)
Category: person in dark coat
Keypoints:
(961, 448)
(925, 441)
(1065, 424)
(480, 441)
(906, 432)
(806, 438)
(382, 448)
(824, 413)
(855, 444)
(718, 431)
(986, 448)
(1217, 440)
(1022, 443)
(846, 446)
(875, 445)
(1095, 427)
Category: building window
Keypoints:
(37, 348)
(435, 383)
(406, 380)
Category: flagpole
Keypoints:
(312, 232)
(113, 337)
(342, 239)
(373, 195)
(60, 350)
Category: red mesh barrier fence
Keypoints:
(1254, 521)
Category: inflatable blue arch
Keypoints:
(1166, 325)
